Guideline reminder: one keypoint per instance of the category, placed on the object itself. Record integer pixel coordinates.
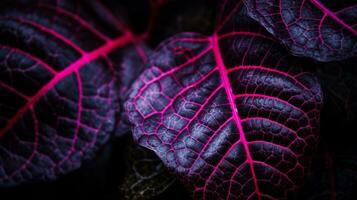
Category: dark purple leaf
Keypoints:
(323, 30)
(58, 85)
(130, 59)
(231, 114)
(132, 63)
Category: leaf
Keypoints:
(133, 61)
(323, 30)
(147, 177)
(58, 86)
(231, 114)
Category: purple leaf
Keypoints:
(132, 63)
(323, 30)
(231, 114)
(58, 86)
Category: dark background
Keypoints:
(334, 168)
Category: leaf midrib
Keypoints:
(75, 66)
(225, 81)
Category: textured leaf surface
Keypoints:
(133, 60)
(323, 30)
(58, 91)
(231, 114)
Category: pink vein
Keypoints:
(274, 99)
(85, 59)
(198, 112)
(271, 121)
(333, 16)
(269, 70)
(78, 120)
(37, 60)
(228, 17)
(215, 133)
(118, 23)
(230, 34)
(51, 32)
(184, 90)
(35, 146)
(174, 69)
(79, 20)
(141, 52)
(230, 96)
(11, 89)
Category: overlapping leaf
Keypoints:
(323, 30)
(58, 85)
(231, 114)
